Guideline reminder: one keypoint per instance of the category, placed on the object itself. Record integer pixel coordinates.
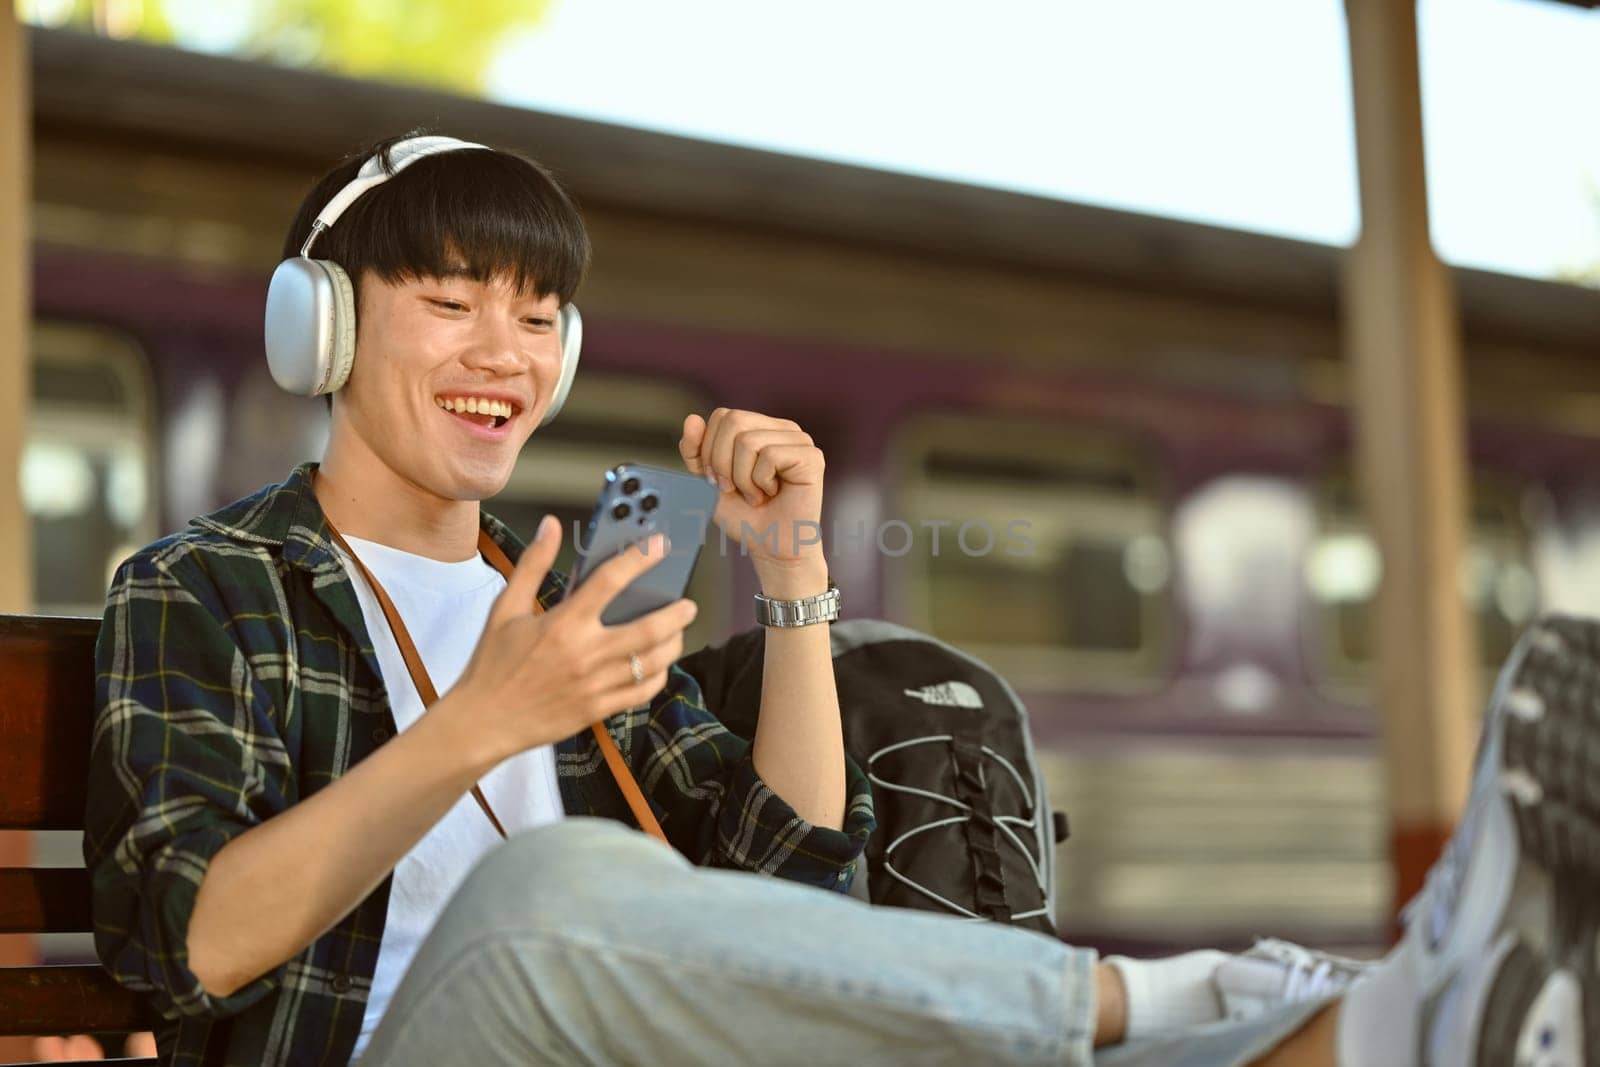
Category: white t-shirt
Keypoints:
(444, 606)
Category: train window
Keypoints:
(1498, 576)
(1042, 549)
(610, 419)
(88, 464)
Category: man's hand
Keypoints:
(535, 679)
(770, 474)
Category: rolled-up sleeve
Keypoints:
(186, 756)
(719, 812)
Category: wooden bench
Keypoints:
(46, 718)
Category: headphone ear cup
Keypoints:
(569, 324)
(310, 326)
(343, 336)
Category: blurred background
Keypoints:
(1085, 266)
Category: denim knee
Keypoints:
(583, 861)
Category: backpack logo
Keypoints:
(948, 695)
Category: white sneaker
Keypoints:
(1498, 964)
(1277, 972)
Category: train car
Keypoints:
(1109, 453)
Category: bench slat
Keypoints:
(123, 1061)
(46, 722)
(44, 900)
(46, 719)
(73, 999)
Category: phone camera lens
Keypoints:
(630, 486)
(621, 511)
(648, 502)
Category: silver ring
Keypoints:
(635, 668)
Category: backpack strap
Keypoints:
(989, 881)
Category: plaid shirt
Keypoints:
(235, 676)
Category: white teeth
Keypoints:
(473, 405)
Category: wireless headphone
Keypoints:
(311, 306)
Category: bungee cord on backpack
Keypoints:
(1003, 823)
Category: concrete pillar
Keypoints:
(16, 566)
(1402, 340)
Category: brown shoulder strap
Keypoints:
(425, 690)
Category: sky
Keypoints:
(1230, 112)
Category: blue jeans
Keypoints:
(585, 942)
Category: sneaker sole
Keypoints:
(1549, 722)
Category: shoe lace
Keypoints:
(1441, 889)
(1310, 981)
(1309, 975)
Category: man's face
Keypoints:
(429, 349)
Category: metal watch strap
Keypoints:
(824, 607)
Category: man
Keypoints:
(296, 851)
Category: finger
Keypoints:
(735, 426)
(799, 463)
(654, 662)
(652, 627)
(612, 576)
(728, 431)
(747, 453)
(708, 444)
(764, 471)
(522, 588)
(694, 431)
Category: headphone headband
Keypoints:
(372, 174)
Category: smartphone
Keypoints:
(635, 502)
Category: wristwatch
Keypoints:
(824, 607)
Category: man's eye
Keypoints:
(449, 305)
(539, 322)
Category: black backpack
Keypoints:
(964, 826)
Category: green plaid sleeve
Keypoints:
(720, 813)
(186, 756)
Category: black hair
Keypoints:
(500, 214)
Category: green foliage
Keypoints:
(443, 44)
(429, 42)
